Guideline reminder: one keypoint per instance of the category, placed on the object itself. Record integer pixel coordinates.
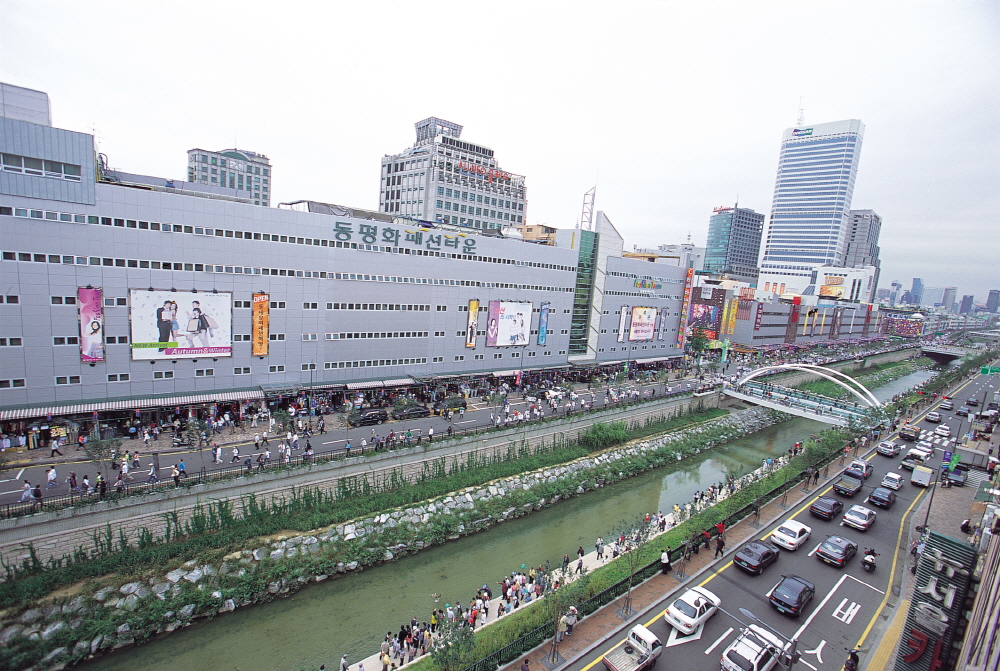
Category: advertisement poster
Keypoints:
(543, 323)
(759, 317)
(706, 311)
(622, 323)
(90, 309)
(685, 305)
(643, 320)
(472, 325)
(180, 324)
(261, 324)
(509, 324)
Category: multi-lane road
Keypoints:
(847, 601)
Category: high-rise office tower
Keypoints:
(246, 171)
(442, 178)
(948, 298)
(862, 239)
(894, 295)
(993, 300)
(809, 225)
(734, 243)
(966, 306)
(917, 291)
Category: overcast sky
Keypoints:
(670, 108)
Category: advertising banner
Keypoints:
(180, 325)
(643, 320)
(543, 323)
(472, 325)
(835, 324)
(759, 317)
(730, 328)
(509, 324)
(685, 305)
(622, 323)
(868, 321)
(706, 311)
(261, 324)
(90, 311)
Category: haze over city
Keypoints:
(670, 109)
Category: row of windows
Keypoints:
(479, 198)
(222, 162)
(42, 168)
(365, 335)
(478, 211)
(330, 365)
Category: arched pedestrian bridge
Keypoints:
(804, 403)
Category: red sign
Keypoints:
(489, 173)
(759, 318)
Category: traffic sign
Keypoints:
(990, 370)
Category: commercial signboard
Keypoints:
(685, 306)
(180, 324)
(261, 324)
(543, 322)
(944, 574)
(643, 321)
(759, 317)
(835, 325)
(509, 324)
(472, 325)
(90, 312)
(622, 323)
(706, 311)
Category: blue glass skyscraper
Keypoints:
(812, 200)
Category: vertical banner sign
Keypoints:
(868, 321)
(622, 323)
(473, 324)
(759, 317)
(90, 311)
(543, 323)
(261, 317)
(835, 324)
(685, 306)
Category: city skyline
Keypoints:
(661, 156)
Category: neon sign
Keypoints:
(489, 173)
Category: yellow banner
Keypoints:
(261, 317)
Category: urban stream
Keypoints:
(350, 615)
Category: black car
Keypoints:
(972, 401)
(791, 595)
(882, 497)
(826, 508)
(955, 476)
(411, 412)
(963, 411)
(368, 416)
(449, 404)
(836, 550)
(756, 556)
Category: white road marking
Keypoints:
(845, 615)
(19, 474)
(676, 637)
(818, 651)
(718, 641)
(813, 551)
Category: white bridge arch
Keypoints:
(861, 391)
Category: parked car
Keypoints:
(849, 484)
(756, 556)
(836, 550)
(863, 466)
(691, 609)
(826, 507)
(791, 535)
(956, 476)
(892, 480)
(368, 416)
(933, 417)
(883, 497)
(755, 649)
(791, 595)
(411, 412)
(963, 411)
(888, 448)
(943, 430)
(859, 517)
(947, 405)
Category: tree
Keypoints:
(103, 452)
(452, 649)
(635, 534)
(698, 344)
(557, 602)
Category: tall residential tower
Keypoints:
(442, 178)
(809, 225)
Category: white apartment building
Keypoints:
(444, 179)
(247, 172)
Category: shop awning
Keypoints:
(128, 404)
(371, 384)
(397, 382)
(504, 373)
(655, 359)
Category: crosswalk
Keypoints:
(932, 437)
(976, 477)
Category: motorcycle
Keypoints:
(181, 442)
(853, 661)
(868, 561)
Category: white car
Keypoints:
(943, 430)
(791, 534)
(691, 609)
(892, 480)
(859, 517)
(755, 649)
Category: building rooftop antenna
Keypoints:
(801, 121)
(587, 214)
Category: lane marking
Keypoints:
(814, 550)
(845, 615)
(19, 474)
(718, 641)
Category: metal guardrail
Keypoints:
(136, 487)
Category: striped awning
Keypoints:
(128, 404)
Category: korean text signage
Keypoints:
(623, 323)
(489, 173)
(369, 234)
(261, 326)
(180, 324)
(509, 324)
(685, 306)
(643, 320)
(543, 323)
(944, 573)
(759, 317)
(472, 324)
(90, 309)
(648, 284)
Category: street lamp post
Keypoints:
(934, 482)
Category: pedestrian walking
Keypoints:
(175, 473)
(720, 546)
(151, 476)
(54, 448)
(344, 666)
(571, 620)
(50, 478)
(665, 566)
(236, 455)
(524, 665)
(25, 492)
(430, 435)
(600, 548)
(182, 469)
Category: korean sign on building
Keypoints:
(261, 326)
